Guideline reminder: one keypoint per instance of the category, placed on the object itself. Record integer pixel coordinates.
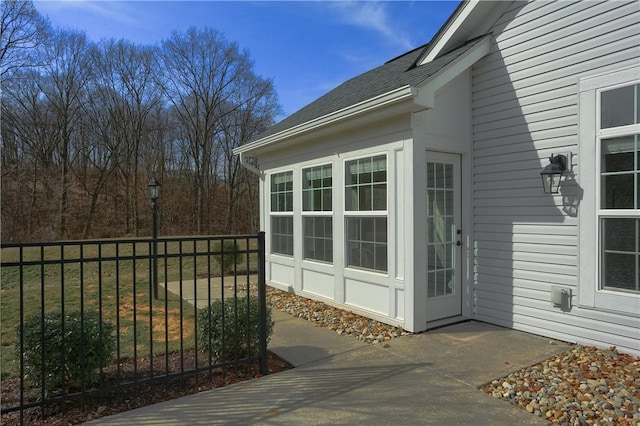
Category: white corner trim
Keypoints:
(392, 97)
(453, 26)
(425, 94)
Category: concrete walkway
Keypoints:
(426, 379)
(199, 293)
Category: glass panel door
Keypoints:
(444, 236)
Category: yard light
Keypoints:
(154, 194)
(552, 173)
(154, 189)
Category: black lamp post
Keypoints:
(154, 194)
(552, 173)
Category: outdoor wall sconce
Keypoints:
(552, 173)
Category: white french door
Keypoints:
(444, 236)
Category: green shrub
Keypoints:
(230, 258)
(239, 337)
(70, 357)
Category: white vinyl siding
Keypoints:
(525, 108)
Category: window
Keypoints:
(366, 213)
(608, 173)
(619, 206)
(317, 221)
(282, 213)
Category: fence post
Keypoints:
(262, 305)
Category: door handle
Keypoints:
(458, 243)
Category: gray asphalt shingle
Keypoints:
(397, 73)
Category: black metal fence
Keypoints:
(84, 318)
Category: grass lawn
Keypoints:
(71, 277)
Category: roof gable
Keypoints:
(471, 19)
(402, 78)
(395, 74)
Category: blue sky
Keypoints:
(307, 48)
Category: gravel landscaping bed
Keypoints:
(582, 386)
(338, 320)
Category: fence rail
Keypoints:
(127, 312)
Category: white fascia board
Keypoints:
(425, 93)
(444, 36)
(389, 98)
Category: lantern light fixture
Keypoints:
(552, 173)
(154, 189)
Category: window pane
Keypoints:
(367, 255)
(367, 243)
(318, 244)
(620, 271)
(380, 260)
(364, 198)
(317, 201)
(619, 172)
(431, 176)
(618, 107)
(380, 230)
(431, 284)
(449, 282)
(365, 184)
(327, 200)
(364, 176)
(448, 202)
(282, 192)
(439, 206)
(618, 191)
(448, 176)
(351, 199)
(621, 253)
(380, 197)
(316, 188)
(618, 154)
(288, 201)
(282, 235)
(619, 234)
(306, 201)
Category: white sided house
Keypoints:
(412, 194)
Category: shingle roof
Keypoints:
(397, 73)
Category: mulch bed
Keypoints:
(73, 412)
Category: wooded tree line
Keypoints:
(85, 126)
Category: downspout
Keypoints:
(253, 169)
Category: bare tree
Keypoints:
(254, 109)
(203, 75)
(27, 130)
(125, 94)
(68, 72)
(82, 133)
(22, 30)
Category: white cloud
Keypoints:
(116, 11)
(373, 16)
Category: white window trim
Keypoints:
(590, 294)
(317, 213)
(280, 214)
(365, 213)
